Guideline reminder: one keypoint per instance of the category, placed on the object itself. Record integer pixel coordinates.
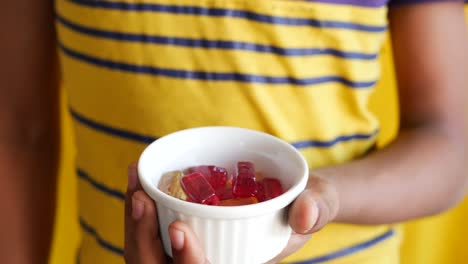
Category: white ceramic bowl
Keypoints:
(249, 234)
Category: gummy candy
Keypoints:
(219, 176)
(198, 189)
(211, 185)
(238, 201)
(201, 169)
(216, 176)
(260, 192)
(244, 184)
(272, 188)
(224, 193)
(175, 189)
(165, 182)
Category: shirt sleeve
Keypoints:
(405, 2)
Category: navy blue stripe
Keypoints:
(212, 44)
(364, 3)
(111, 130)
(212, 76)
(100, 186)
(148, 139)
(222, 12)
(326, 144)
(350, 250)
(103, 243)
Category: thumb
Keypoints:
(186, 248)
(304, 213)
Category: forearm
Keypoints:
(420, 174)
(27, 198)
(29, 134)
(423, 172)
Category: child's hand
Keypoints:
(315, 207)
(143, 244)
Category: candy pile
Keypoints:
(211, 185)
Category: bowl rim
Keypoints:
(222, 212)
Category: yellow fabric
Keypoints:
(67, 232)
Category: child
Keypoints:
(301, 70)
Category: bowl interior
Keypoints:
(221, 146)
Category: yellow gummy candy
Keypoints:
(170, 184)
(175, 189)
(165, 182)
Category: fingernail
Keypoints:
(314, 211)
(311, 217)
(132, 178)
(138, 208)
(177, 239)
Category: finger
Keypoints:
(147, 238)
(186, 248)
(133, 183)
(304, 213)
(146, 246)
(132, 186)
(130, 243)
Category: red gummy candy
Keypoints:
(219, 177)
(224, 193)
(216, 176)
(245, 184)
(201, 169)
(198, 189)
(260, 192)
(245, 167)
(272, 188)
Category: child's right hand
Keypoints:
(143, 244)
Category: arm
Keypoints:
(28, 130)
(423, 172)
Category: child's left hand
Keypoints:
(316, 206)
